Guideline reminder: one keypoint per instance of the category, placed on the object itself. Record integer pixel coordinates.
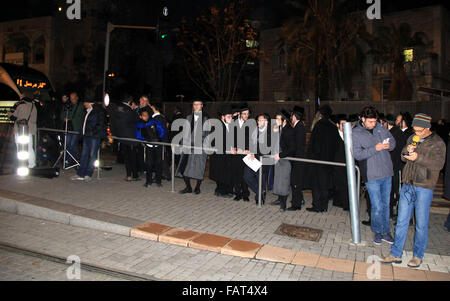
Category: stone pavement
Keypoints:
(238, 220)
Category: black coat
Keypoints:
(323, 145)
(400, 142)
(163, 120)
(96, 123)
(238, 164)
(287, 142)
(298, 168)
(219, 163)
(123, 122)
(340, 177)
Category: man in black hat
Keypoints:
(297, 173)
(220, 161)
(322, 146)
(283, 167)
(192, 163)
(241, 144)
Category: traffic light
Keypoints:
(109, 80)
(163, 26)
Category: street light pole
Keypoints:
(109, 28)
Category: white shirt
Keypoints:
(241, 122)
(156, 114)
(86, 117)
(296, 123)
(195, 117)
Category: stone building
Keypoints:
(427, 67)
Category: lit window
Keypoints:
(409, 55)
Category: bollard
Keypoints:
(260, 185)
(173, 169)
(353, 198)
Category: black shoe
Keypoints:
(282, 209)
(216, 193)
(147, 185)
(366, 223)
(186, 190)
(197, 191)
(246, 199)
(158, 184)
(274, 203)
(237, 198)
(227, 195)
(312, 209)
(294, 208)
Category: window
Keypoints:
(409, 55)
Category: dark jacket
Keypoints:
(95, 124)
(424, 172)
(298, 168)
(163, 121)
(400, 141)
(75, 115)
(123, 121)
(323, 146)
(287, 142)
(151, 130)
(220, 162)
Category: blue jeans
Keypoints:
(380, 197)
(72, 141)
(88, 156)
(412, 197)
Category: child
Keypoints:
(151, 130)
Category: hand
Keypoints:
(412, 156)
(252, 157)
(277, 157)
(387, 145)
(247, 152)
(411, 148)
(233, 151)
(379, 147)
(275, 128)
(240, 151)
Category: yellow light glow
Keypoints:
(409, 55)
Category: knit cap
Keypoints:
(422, 120)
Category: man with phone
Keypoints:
(372, 143)
(424, 155)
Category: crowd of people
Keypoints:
(400, 157)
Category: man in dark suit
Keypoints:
(297, 173)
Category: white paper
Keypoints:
(253, 164)
(386, 141)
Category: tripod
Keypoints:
(65, 151)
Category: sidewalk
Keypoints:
(111, 204)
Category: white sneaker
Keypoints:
(87, 178)
(76, 177)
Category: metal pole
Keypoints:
(98, 160)
(173, 170)
(354, 211)
(260, 185)
(105, 66)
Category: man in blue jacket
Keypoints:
(372, 143)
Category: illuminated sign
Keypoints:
(30, 84)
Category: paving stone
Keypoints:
(149, 231)
(335, 264)
(409, 274)
(276, 254)
(305, 259)
(241, 248)
(209, 242)
(178, 237)
(386, 271)
(437, 276)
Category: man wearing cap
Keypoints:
(93, 130)
(424, 160)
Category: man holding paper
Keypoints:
(260, 142)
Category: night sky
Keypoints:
(20, 9)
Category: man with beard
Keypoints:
(283, 167)
(241, 138)
(322, 146)
(220, 161)
(297, 173)
(193, 162)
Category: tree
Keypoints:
(388, 46)
(323, 47)
(216, 47)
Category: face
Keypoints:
(143, 101)
(369, 123)
(341, 125)
(144, 116)
(227, 118)
(74, 98)
(422, 132)
(64, 98)
(197, 106)
(398, 120)
(262, 122)
(87, 105)
(279, 120)
(245, 115)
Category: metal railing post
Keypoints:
(98, 160)
(353, 199)
(260, 185)
(173, 170)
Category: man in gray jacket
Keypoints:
(371, 146)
